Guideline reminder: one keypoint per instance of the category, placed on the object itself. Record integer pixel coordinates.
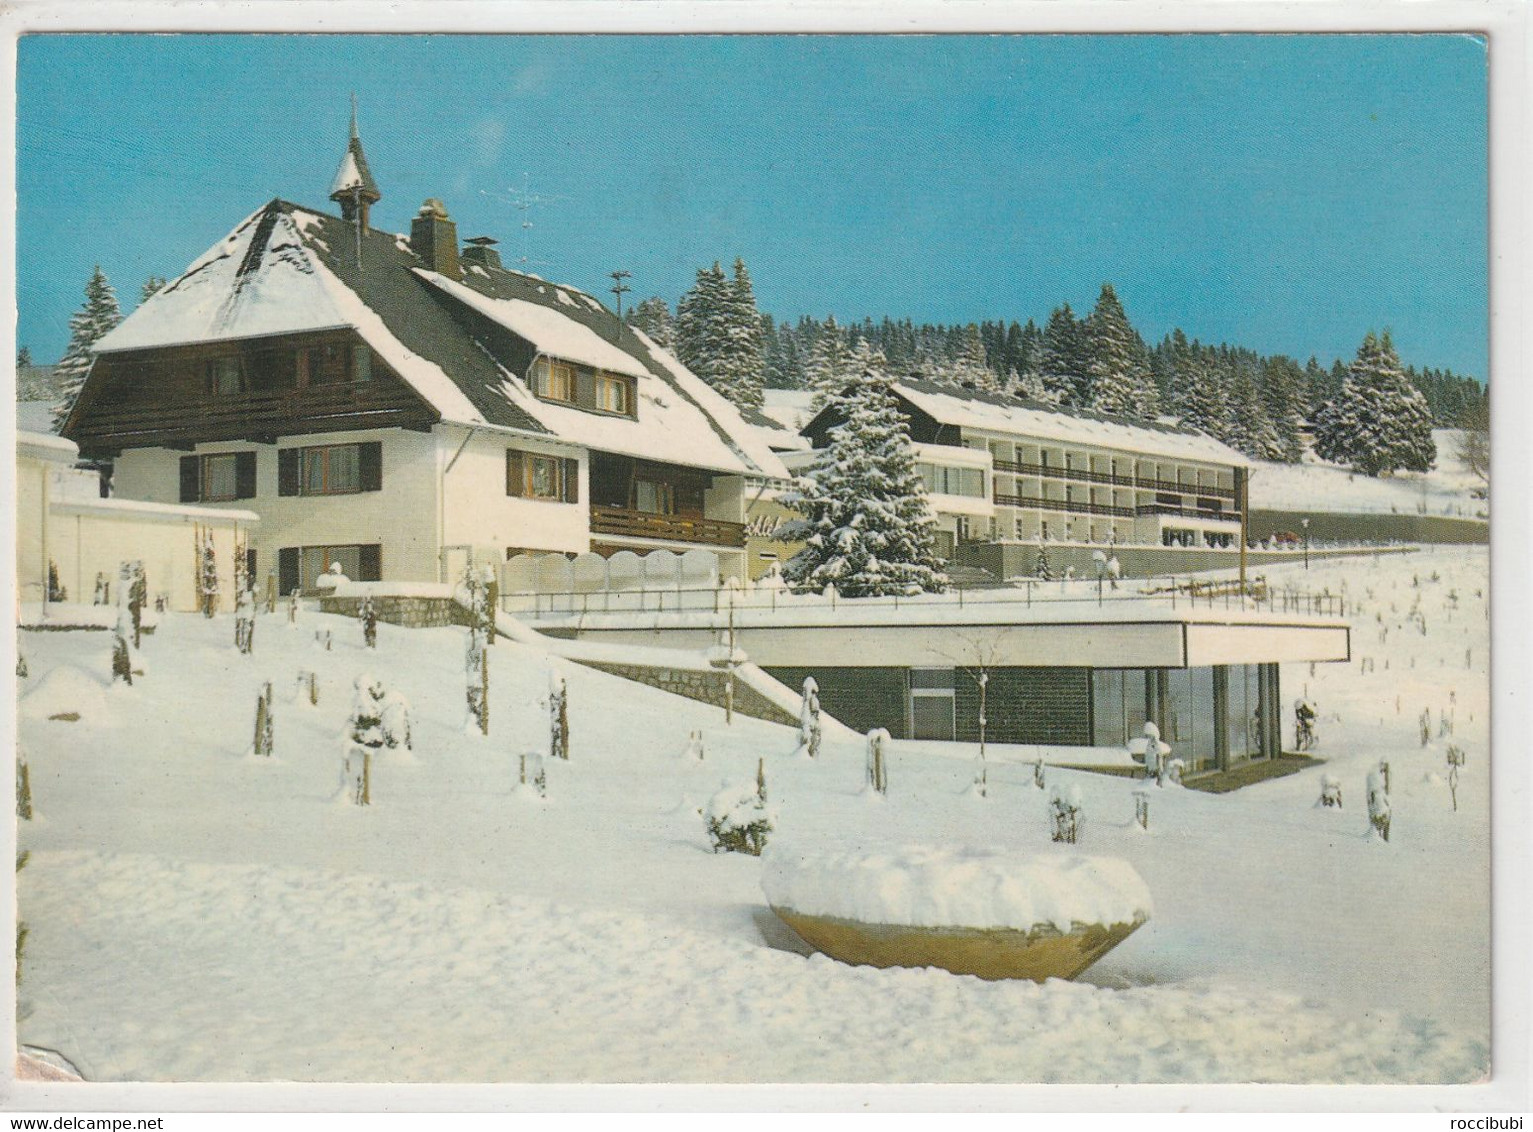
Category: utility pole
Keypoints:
(619, 288)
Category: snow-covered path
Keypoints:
(197, 914)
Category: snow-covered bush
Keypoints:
(533, 776)
(558, 717)
(1065, 814)
(263, 745)
(292, 608)
(56, 590)
(394, 718)
(1142, 809)
(364, 738)
(476, 660)
(207, 576)
(1378, 804)
(23, 787)
(809, 728)
(138, 597)
(244, 621)
(878, 767)
(1147, 748)
(738, 819)
(103, 591)
(367, 613)
(1038, 779)
(122, 660)
(1330, 791)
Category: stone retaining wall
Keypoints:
(410, 612)
(704, 686)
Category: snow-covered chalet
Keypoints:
(402, 405)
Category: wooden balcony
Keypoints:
(670, 528)
(249, 416)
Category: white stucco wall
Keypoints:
(402, 518)
(479, 514)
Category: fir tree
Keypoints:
(1282, 392)
(1247, 429)
(653, 318)
(699, 326)
(97, 315)
(1116, 362)
(1378, 423)
(967, 365)
(829, 366)
(1062, 363)
(23, 357)
(150, 288)
(870, 530)
(1199, 392)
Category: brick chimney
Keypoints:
(434, 238)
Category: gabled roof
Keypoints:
(463, 344)
(1001, 412)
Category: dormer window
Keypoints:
(612, 394)
(554, 381)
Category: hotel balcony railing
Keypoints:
(673, 528)
(1081, 507)
(1081, 475)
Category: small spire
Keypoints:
(354, 188)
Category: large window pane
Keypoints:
(1109, 720)
(219, 477)
(345, 471)
(931, 716)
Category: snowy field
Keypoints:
(198, 914)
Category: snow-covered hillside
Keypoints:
(1447, 490)
(199, 914)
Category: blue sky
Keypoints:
(1286, 193)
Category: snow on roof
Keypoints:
(46, 446)
(548, 330)
(163, 511)
(235, 291)
(749, 441)
(788, 407)
(999, 413)
(348, 176)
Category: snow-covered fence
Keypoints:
(262, 744)
(878, 767)
(1065, 813)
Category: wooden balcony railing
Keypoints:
(1081, 475)
(1081, 507)
(673, 528)
(318, 408)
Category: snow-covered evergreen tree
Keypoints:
(653, 317)
(1200, 393)
(1117, 363)
(152, 286)
(1247, 428)
(1062, 364)
(829, 367)
(699, 324)
(719, 334)
(97, 315)
(23, 357)
(869, 528)
(967, 366)
(1282, 391)
(1378, 423)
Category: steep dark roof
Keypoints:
(411, 310)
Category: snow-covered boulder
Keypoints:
(68, 694)
(968, 911)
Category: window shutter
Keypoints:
(513, 472)
(191, 489)
(370, 465)
(287, 484)
(287, 569)
(245, 475)
(370, 562)
(571, 479)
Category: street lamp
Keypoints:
(1305, 524)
